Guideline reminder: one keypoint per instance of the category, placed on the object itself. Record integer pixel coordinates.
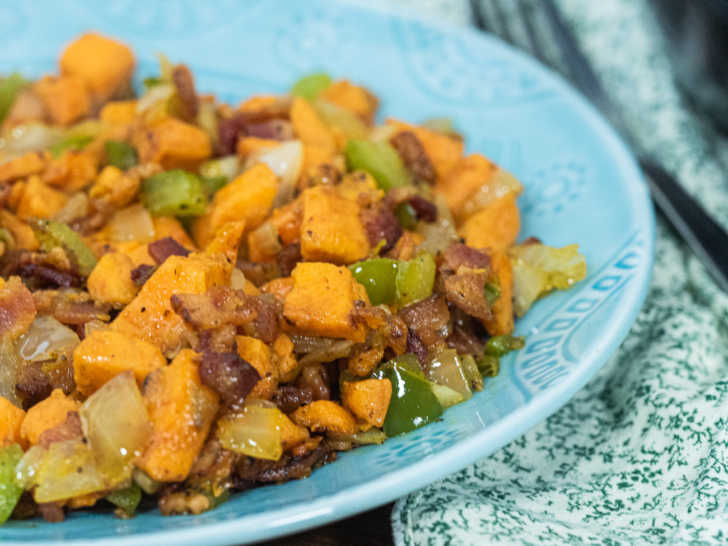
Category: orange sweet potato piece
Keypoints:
(443, 150)
(322, 301)
(494, 227)
(319, 143)
(463, 180)
(103, 64)
(259, 355)
(11, 420)
(46, 414)
(181, 410)
(227, 240)
(248, 198)
(331, 230)
(325, 416)
(287, 220)
(119, 112)
(352, 97)
(39, 200)
(368, 399)
(280, 288)
(114, 188)
(66, 98)
(105, 353)
(25, 165)
(292, 435)
(247, 146)
(22, 233)
(287, 364)
(150, 317)
(71, 171)
(172, 143)
(168, 226)
(110, 281)
(502, 320)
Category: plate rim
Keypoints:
(301, 516)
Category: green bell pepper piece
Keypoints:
(174, 193)
(378, 278)
(406, 215)
(212, 184)
(492, 291)
(51, 234)
(501, 345)
(74, 142)
(415, 279)
(10, 491)
(380, 160)
(413, 404)
(311, 86)
(126, 499)
(10, 88)
(120, 154)
(488, 365)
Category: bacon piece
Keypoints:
(380, 223)
(220, 306)
(289, 398)
(184, 81)
(413, 155)
(424, 209)
(164, 248)
(464, 272)
(228, 375)
(142, 273)
(428, 320)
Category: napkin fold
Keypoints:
(639, 455)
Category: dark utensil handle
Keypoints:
(705, 237)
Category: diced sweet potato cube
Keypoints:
(182, 411)
(292, 434)
(150, 317)
(288, 366)
(325, 416)
(25, 165)
(104, 65)
(119, 112)
(39, 200)
(256, 103)
(114, 188)
(322, 301)
(11, 420)
(71, 171)
(331, 230)
(22, 233)
(110, 281)
(258, 354)
(248, 198)
(494, 227)
(443, 150)
(319, 143)
(105, 353)
(287, 221)
(247, 146)
(172, 143)
(46, 414)
(227, 240)
(368, 400)
(501, 322)
(66, 98)
(279, 288)
(352, 97)
(168, 226)
(463, 180)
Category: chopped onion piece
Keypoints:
(155, 95)
(47, 339)
(76, 207)
(254, 432)
(27, 138)
(10, 363)
(501, 184)
(286, 161)
(265, 237)
(133, 223)
(228, 166)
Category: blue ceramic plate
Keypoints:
(581, 186)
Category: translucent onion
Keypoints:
(286, 161)
(10, 363)
(27, 138)
(321, 349)
(47, 339)
(446, 368)
(237, 279)
(76, 207)
(341, 119)
(254, 432)
(265, 238)
(228, 166)
(501, 184)
(116, 423)
(154, 96)
(382, 133)
(133, 223)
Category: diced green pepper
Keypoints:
(380, 160)
(52, 234)
(10, 88)
(152, 81)
(446, 368)
(10, 491)
(174, 193)
(415, 279)
(501, 345)
(492, 291)
(120, 154)
(216, 500)
(472, 373)
(488, 365)
(212, 184)
(311, 86)
(126, 499)
(74, 142)
(413, 403)
(342, 119)
(378, 278)
(407, 216)
(446, 396)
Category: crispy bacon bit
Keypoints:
(69, 307)
(33, 384)
(39, 269)
(17, 309)
(142, 273)
(288, 257)
(531, 241)
(265, 324)
(269, 122)
(464, 338)
(164, 248)
(425, 210)
(51, 512)
(251, 471)
(413, 155)
(428, 320)
(213, 466)
(315, 378)
(289, 398)
(258, 273)
(68, 430)
(416, 347)
(219, 340)
(228, 375)
(459, 254)
(381, 224)
(220, 306)
(274, 129)
(184, 81)
(463, 274)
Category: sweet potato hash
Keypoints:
(198, 298)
